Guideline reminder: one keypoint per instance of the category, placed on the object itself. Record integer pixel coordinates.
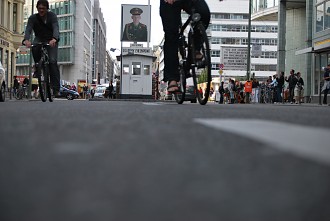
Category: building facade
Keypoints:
(11, 34)
(229, 35)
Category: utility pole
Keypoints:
(248, 67)
(30, 63)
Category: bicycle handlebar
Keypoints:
(40, 44)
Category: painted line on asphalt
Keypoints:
(305, 141)
(152, 104)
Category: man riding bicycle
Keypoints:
(46, 29)
(170, 12)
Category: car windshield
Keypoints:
(100, 90)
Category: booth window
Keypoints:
(136, 68)
(125, 69)
(146, 69)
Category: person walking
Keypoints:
(292, 83)
(255, 91)
(326, 84)
(221, 92)
(299, 89)
(248, 91)
(111, 89)
(279, 88)
(15, 86)
(85, 90)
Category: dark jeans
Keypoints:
(278, 94)
(171, 19)
(53, 67)
(221, 98)
(325, 96)
(291, 94)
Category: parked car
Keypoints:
(68, 94)
(2, 83)
(99, 91)
(190, 94)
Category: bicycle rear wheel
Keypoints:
(48, 85)
(201, 72)
(42, 81)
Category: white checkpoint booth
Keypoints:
(136, 79)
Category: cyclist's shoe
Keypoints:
(172, 87)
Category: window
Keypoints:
(125, 69)
(327, 15)
(319, 17)
(215, 53)
(136, 68)
(146, 70)
(15, 17)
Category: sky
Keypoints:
(111, 10)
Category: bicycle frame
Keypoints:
(42, 69)
(189, 64)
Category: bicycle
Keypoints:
(191, 66)
(21, 92)
(43, 74)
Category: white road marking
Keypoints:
(308, 142)
(152, 104)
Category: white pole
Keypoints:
(149, 23)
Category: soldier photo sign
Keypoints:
(135, 23)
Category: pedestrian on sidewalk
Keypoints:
(299, 89)
(326, 84)
(292, 83)
(221, 92)
(279, 88)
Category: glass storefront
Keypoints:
(321, 61)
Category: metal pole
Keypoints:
(30, 63)
(248, 67)
(320, 84)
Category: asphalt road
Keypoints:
(160, 161)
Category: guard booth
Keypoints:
(136, 79)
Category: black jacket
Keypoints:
(44, 32)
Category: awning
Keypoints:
(304, 51)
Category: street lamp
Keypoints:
(97, 72)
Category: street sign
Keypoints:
(220, 72)
(221, 66)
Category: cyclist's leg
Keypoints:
(171, 19)
(53, 69)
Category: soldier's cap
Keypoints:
(136, 11)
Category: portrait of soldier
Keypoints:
(135, 31)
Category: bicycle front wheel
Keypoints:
(202, 70)
(42, 81)
(180, 95)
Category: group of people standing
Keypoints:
(271, 91)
